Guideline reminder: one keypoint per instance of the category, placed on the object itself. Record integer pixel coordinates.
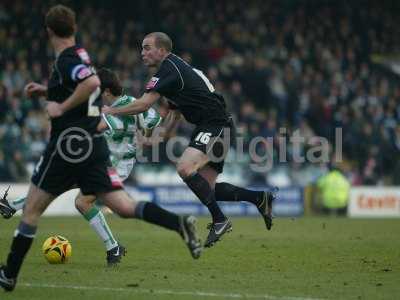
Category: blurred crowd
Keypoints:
(283, 67)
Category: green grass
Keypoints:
(306, 258)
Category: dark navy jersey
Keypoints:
(189, 91)
(71, 67)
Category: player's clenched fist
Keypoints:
(35, 89)
(106, 109)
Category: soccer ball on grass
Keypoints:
(57, 249)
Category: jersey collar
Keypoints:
(116, 102)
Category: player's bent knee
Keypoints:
(84, 203)
(79, 205)
(185, 170)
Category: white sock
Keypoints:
(18, 203)
(99, 224)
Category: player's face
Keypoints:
(151, 55)
(108, 97)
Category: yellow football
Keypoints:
(57, 249)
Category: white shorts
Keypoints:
(124, 168)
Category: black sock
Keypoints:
(228, 192)
(203, 191)
(154, 214)
(20, 246)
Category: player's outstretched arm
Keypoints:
(33, 89)
(166, 130)
(136, 107)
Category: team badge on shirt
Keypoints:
(83, 55)
(152, 83)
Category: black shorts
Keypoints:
(56, 175)
(214, 141)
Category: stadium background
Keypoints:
(308, 65)
(311, 66)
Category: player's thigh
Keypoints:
(191, 160)
(119, 202)
(36, 203)
(208, 143)
(216, 148)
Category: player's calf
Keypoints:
(96, 219)
(120, 203)
(20, 246)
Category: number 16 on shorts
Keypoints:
(203, 137)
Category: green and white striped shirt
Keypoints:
(121, 133)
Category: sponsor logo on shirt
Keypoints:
(80, 72)
(152, 83)
(83, 55)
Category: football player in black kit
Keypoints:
(189, 92)
(73, 90)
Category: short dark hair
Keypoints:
(61, 20)
(162, 40)
(110, 80)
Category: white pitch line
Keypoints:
(165, 292)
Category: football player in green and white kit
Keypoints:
(121, 135)
(121, 132)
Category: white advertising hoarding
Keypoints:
(374, 202)
(64, 205)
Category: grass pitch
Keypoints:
(307, 258)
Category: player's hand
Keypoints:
(102, 126)
(54, 109)
(35, 89)
(106, 110)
